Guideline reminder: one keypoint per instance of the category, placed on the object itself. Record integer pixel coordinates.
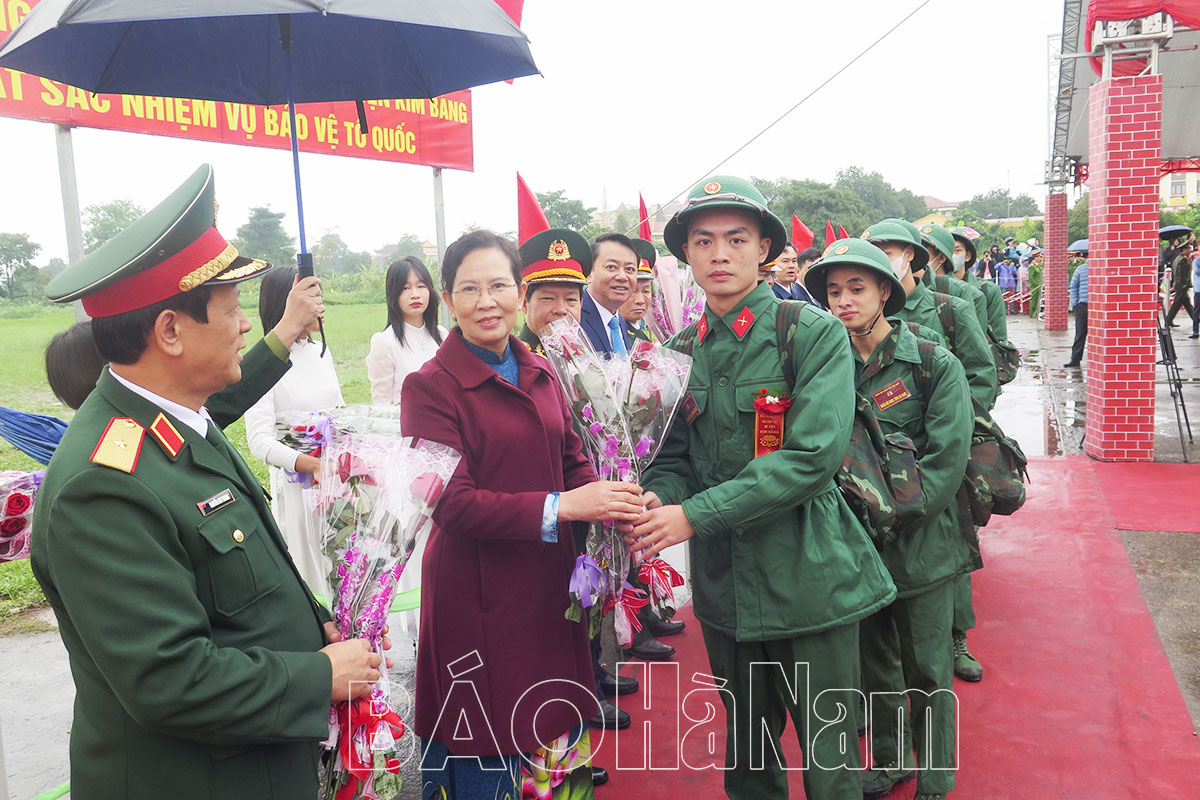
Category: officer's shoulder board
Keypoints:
(120, 445)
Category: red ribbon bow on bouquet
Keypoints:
(626, 604)
(360, 714)
(661, 577)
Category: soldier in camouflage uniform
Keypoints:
(782, 570)
(962, 261)
(918, 389)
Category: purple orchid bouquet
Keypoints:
(378, 498)
(622, 408)
(18, 491)
(694, 298)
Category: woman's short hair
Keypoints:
(470, 242)
(74, 364)
(272, 296)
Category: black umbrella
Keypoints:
(1173, 231)
(271, 51)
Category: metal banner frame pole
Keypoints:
(70, 201)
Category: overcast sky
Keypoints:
(637, 95)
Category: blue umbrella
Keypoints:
(1078, 246)
(33, 434)
(271, 52)
(1173, 231)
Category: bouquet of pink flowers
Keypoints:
(307, 433)
(623, 408)
(378, 495)
(18, 490)
(676, 300)
(693, 298)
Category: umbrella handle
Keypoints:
(304, 265)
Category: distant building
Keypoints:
(937, 206)
(1179, 189)
(659, 214)
(933, 218)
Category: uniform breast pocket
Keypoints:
(242, 564)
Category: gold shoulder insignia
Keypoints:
(120, 445)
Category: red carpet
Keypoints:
(1152, 497)
(1078, 700)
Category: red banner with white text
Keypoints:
(435, 132)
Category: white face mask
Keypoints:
(958, 261)
(900, 266)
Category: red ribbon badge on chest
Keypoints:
(768, 422)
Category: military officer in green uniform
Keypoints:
(638, 305)
(782, 571)
(556, 264)
(918, 389)
(203, 667)
(901, 241)
(940, 245)
(962, 262)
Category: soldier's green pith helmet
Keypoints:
(902, 232)
(937, 237)
(961, 235)
(854, 253)
(724, 191)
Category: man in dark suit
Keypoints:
(612, 280)
(202, 665)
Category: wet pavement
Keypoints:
(1045, 407)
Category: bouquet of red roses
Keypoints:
(18, 490)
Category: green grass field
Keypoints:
(23, 387)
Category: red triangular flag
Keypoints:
(802, 237)
(644, 226)
(531, 219)
(513, 8)
(830, 236)
(842, 233)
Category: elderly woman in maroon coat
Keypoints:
(495, 648)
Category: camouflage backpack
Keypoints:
(879, 476)
(1007, 357)
(995, 476)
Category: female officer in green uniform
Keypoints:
(782, 571)
(918, 389)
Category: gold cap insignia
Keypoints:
(712, 188)
(866, 235)
(927, 229)
(841, 251)
(559, 251)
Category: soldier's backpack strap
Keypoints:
(685, 340)
(945, 312)
(787, 317)
(925, 350)
(941, 283)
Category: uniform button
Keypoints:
(238, 536)
(728, 434)
(723, 382)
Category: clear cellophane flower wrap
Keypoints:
(18, 491)
(623, 407)
(378, 495)
(693, 298)
(666, 300)
(305, 432)
(657, 382)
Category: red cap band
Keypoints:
(164, 279)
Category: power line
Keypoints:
(802, 101)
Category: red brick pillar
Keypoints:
(1125, 153)
(1054, 274)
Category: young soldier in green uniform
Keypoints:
(203, 667)
(782, 571)
(901, 241)
(940, 245)
(962, 262)
(918, 389)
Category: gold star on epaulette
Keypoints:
(120, 445)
